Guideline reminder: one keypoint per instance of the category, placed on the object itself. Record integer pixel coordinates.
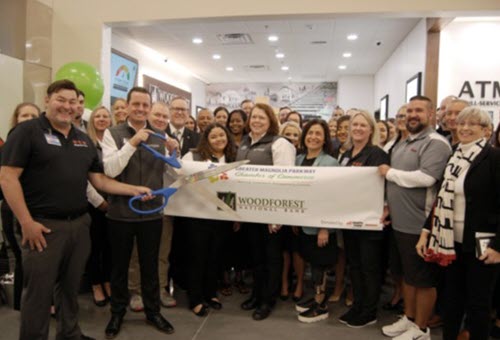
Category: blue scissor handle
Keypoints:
(165, 192)
(172, 160)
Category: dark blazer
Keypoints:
(190, 139)
(482, 199)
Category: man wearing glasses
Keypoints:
(179, 112)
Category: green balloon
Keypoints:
(86, 78)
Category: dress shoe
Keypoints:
(262, 312)
(297, 298)
(100, 303)
(283, 297)
(160, 323)
(249, 304)
(202, 312)
(113, 327)
(214, 304)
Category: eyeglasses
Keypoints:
(178, 109)
(400, 116)
(469, 124)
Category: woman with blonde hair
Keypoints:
(364, 249)
(100, 253)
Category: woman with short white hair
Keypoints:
(466, 215)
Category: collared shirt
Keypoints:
(178, 133)
(417, 163)
(283, 151)
(114, 159)
(55, 167)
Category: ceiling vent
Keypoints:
(255, 68)
(318, 42)
(235, 39)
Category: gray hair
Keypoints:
(474, 113)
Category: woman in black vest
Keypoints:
(263, 146)
(205, 237)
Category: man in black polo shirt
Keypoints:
(46, 163)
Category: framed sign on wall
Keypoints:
(384, 107)
(414, 86)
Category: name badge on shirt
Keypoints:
(52, 139)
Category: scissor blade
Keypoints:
(204, 174)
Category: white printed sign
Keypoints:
(327, 197)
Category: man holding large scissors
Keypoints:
(128, 163)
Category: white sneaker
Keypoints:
(414, 333)
(166, 299)
(136, 304)
(398, 328)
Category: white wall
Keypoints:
(11, 90)
(407, 60)
(357, 92)
(152, 63)
(469, 51)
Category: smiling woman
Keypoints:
(263, 146)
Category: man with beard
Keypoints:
(417, 164)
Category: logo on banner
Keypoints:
(271, 204)
(229, 198)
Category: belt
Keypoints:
(62, 217)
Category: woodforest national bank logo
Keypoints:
(271, 204)
(227, 197)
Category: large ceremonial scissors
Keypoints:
(172, 160)
(187, 179)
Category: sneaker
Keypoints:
(414, 333)
(136, 304)
(348, 316)
(397, 328)
(361, 321)
(303, 306)
(166, 299)
(314, 314)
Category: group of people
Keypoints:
(62, 177)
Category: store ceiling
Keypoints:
(313, 48)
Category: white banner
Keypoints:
(326, 197)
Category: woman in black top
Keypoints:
(205, 237)
(364, 249)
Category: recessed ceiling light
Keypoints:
(273, 38)
(29, 45)
(347, 55)
(216, 56)
(229, 68)
(197, 41)
(352, 37)
(285, 68)
(280, 55)
(342, 67)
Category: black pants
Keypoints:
(204, 240)
(9, 227)
(267, 261)
(469, 286)
(364, 254)
(147, 235)
(99, 265)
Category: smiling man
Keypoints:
(46, 163)
(417, 164)
(126, 161)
